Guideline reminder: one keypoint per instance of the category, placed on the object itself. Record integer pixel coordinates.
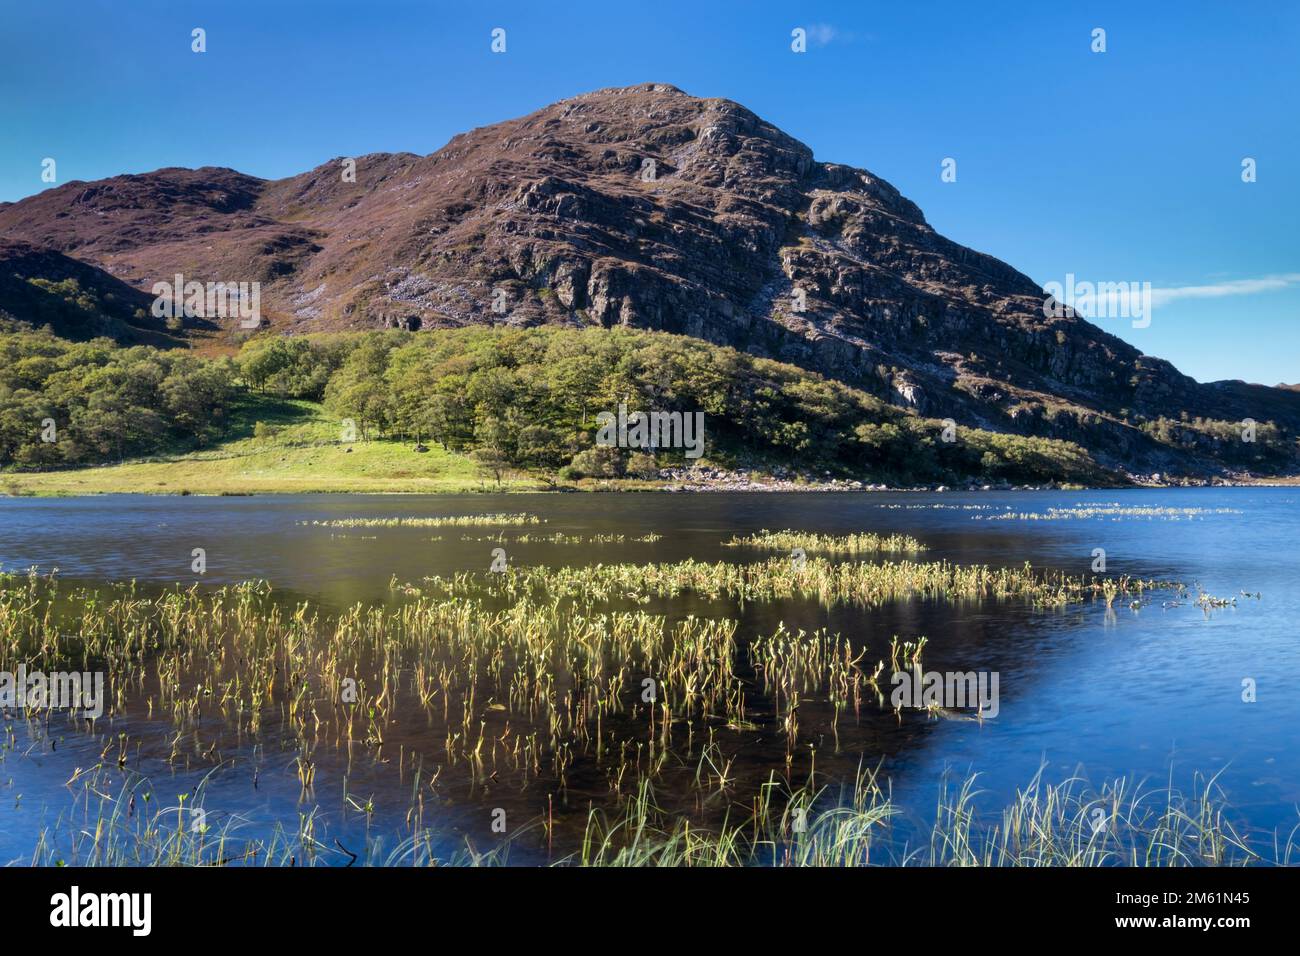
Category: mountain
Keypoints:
(647, 207)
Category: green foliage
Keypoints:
(102, 402)
(265, 431)
(1262, 447)
(73, 311)
(529, 398)
(69, 293)
(598, 462)
(66, 299)
(291, 367)
(518, 400)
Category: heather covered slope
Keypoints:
(558, 216)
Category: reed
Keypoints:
(1069, 823)
(535, 680)
(444, 521)
(861, 543)
(815, 579)
(1110, 512)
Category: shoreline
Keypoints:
(81, 483)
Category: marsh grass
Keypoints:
(523, 672)
(445, 521)
(559, 537)
(1070, 823)
(861, 543)
(815, 579)
(1112, 512)
(521, 680)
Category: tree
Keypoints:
(493, 451)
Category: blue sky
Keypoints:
(1115, 166)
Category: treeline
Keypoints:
(515, 399)
(78, 403)
(531, 399)
(1256, 446)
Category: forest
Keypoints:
(521, 399)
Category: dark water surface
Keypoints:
(1154, 693)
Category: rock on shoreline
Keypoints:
(743, 479)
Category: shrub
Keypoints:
(600, 462)
(641, 465)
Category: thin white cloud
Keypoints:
(1136, 300)
(1218, 290)
(820, 34)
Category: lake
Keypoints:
(1150, 693)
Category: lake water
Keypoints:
(1151, 694)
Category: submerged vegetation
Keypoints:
(1112, 512)
(814, 578)
(615, 736)
(444, 521)
(1047, 824)
(864, 543)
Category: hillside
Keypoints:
(465, 409)
(76, 300)
(556, 215)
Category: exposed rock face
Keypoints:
(644, 206)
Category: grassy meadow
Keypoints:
(299, 452)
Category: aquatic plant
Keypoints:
(1112, 511)
(520, 680)
(816, 579)
(860, 543)
(1069, 823)
(444, 521)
